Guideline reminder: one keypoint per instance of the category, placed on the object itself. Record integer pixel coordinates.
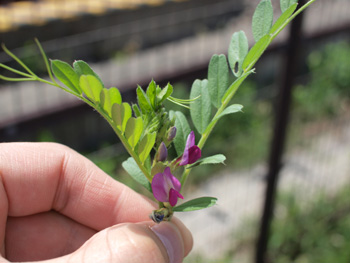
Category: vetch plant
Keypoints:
(147, 130)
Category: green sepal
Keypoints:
(91, 86)
(200, 109)
(83, 68)
(237, 51)
(182, 131)
(214, 159)
(218, 78)
(110, 97)
(121, 113)
(145, 146)
(262, 19)
(196, 204)
(159, 167)
(134, 171)
(66, 74)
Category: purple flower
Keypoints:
(166, 187)
(192, 152)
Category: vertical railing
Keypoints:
(282, 110)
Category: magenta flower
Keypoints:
(191, 153)
(166, 187)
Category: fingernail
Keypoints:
(171, 239)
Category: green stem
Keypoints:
(110, 121)
(15, 71)
(302, 8)
(45, 60)
(8, 52)
(227, 99)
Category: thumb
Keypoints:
(142, 242)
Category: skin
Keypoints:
(57, 206)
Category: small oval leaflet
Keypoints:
(196, 204)
(200, 109)
(65, 73)
(237, 51)
(262, 19)
(91, 86)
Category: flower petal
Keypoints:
(194, 154)
(173, 196)
(160, 192)
(190, 140)
(189, 143)
(173, 182)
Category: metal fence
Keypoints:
(173, 41)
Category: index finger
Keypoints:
(38, 177)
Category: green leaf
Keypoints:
(217, 79)
(151, 94)
(108, 98)
(182, 131)
(134, 171)
(282, 19)
(165, 93)
(229, 110)
(146, 145)
(215, 159)
(196, 204)
(237, 51)
(136, 110)
(200, 108)
(286, 4)
(83, 68)
(255, 52)
(262, 19)
(91, 86)
(65, 73)
(234, 86)
(143, 100)
(133, 131)
(121, 113)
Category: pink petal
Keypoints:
(173, 182)
(190, 140)
(173, 196)
(160, 192)
(194, 154)
(190, 143)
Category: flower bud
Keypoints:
(171, 133)
(162, 153)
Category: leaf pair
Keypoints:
(263, 17)
(263, 29)
(71, 76)
(154, 96)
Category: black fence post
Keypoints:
(278, 140)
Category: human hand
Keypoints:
(56, 206)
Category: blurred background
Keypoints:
(284, 191)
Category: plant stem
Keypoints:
(227, 99)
